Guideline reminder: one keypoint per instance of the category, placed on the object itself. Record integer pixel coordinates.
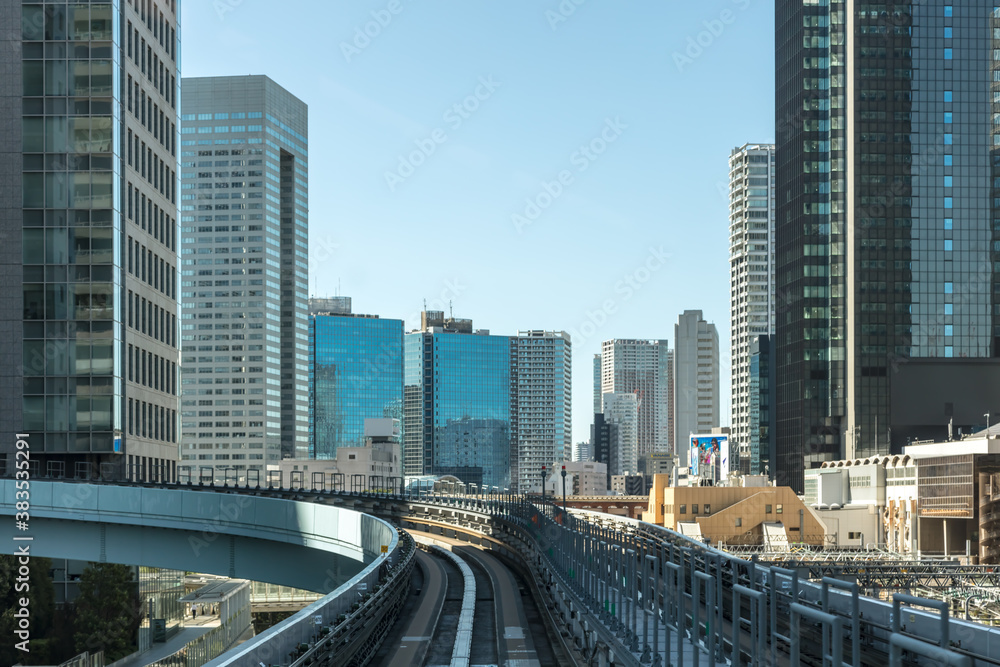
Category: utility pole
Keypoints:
(564, 488)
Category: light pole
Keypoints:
(987, 415)
(564, 489)
(543, 484)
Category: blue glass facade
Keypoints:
(355, 372)
(457, 407)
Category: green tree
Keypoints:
(41, 603)
(108, 611)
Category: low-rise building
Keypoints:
(583, 478)
(734, 515)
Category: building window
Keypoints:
(708, 509)
(767, 509)
(739, 522)
(694, 509)
(779, 509)
(683, 509)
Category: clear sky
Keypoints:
(537, 164)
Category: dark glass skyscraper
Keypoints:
(885, 123)
(356, 370)
(88, 243)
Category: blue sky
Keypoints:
(539, 164)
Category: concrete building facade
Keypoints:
(751, 280)
(245, 249)
(696, 379)
(639, 367)
(541, 403)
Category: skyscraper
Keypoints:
(88, 228)
(457, 402)
(541, 403)
(761, 433)
(696, 379)
(622, 410)
(244, 286)
(356, 373)
(751, 277)
(885, 217)
(597, 384)
(640, 367)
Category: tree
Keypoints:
(39, 592)
(108, 611)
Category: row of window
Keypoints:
(151, 370)
(149, 165)
(147, 318)
(149, 114)
(150, 268)
(147, 420)
(151, 218)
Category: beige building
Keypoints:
(733, 515)
(365, 468)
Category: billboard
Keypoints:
(708, 456)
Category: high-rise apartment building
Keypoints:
(751, 279)
(457, 402)
(245, 244)
(623, 410)
(598, 392)
(640, 367)
(88, 258)
(355, 373)
(696, 379)
(541, 403)
(671, 449)
(886, 210)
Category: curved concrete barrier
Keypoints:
(462, 653)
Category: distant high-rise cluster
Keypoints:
(490, 410)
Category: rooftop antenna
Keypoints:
(338, 287)
(451, 312)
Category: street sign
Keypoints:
(385, 548)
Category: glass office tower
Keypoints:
(885, 122)
(356, 370)
(457, 403)
(89, 251)
(245, 247)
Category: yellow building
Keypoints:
(733, 515)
